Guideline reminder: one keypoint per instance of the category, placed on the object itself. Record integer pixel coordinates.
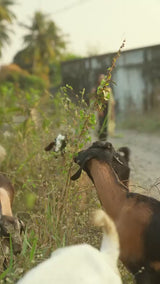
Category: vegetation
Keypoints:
(6, 18)
(46, 200)
(43, 46)
(54, 208)
(14, 76)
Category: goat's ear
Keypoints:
(50, 146)
(124, 152)
(77, 174)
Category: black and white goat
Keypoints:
(137, 217)
(82, 264)
(58, 145)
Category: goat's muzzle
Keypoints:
(102, 151)
(12, 228)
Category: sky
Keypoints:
(92, 26)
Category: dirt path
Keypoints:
(145, 160)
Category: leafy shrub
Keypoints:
(21, 78)
(46, 199)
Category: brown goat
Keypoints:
(137, 217)
(119, 160)
(9, 225)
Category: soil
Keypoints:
(144, 160)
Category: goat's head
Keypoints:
(58, 145)
(105, 152)
(11, 227)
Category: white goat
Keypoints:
(82, 264)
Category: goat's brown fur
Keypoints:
(129, 216)
(155, 265)
(9, 225)
(85, 186)
(5, 183)
(137, 217)
(5, 202)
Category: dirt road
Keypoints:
(145, 160)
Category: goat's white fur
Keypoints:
(81, 264)
(59, 140)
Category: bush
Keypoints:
(46, 200)
(14, 74)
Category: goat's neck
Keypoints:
(5, 202)
(111, 191)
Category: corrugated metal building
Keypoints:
(137, 77)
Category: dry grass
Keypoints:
(55, 210)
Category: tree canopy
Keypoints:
(6, 18)
(43, 44)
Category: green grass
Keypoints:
(45, 199)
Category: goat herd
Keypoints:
(130, 223)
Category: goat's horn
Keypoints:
(77, 174)
(118, 160)
(49, 147)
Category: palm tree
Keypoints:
(6, 17)
(44, 42)
(5, 12)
